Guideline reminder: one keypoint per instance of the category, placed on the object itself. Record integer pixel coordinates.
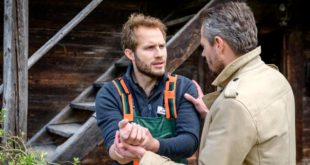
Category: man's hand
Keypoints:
(138, 151)
(131, 133)
(120, 148)
(119, 153)
(135, 134)
(150, 143)
(198, 103)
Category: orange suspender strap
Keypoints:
(136, 162)
(169, 97)
(126, 96)
(126, 101)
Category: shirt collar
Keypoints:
(224, 77)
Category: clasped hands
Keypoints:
(131, 142)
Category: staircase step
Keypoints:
(84, 106)
(99, 84)
(49, 149)
(64, 130)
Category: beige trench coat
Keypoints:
(251, 119)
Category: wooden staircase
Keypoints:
(73, 132)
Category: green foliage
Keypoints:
(76, 161)
(14, 151)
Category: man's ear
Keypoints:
(219, 44)
(129, 54)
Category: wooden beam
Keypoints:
(63, 32)
(179, 20)
(60, 34)
(294, 60)
(15, 70)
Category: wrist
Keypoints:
(154, 145)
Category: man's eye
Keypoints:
(150, 47)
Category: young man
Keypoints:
(251, 119)
(146, 107)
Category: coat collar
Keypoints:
(224, 77)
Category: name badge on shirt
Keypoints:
(161, 110)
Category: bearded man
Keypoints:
(146, 107)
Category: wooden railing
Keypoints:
(60, 34)
(16, 65)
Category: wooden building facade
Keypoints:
(89, 50)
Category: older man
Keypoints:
(251, 119)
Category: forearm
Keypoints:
(181, 146)
(108, 114)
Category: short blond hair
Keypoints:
(135, 21)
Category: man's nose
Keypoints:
(159, 52)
